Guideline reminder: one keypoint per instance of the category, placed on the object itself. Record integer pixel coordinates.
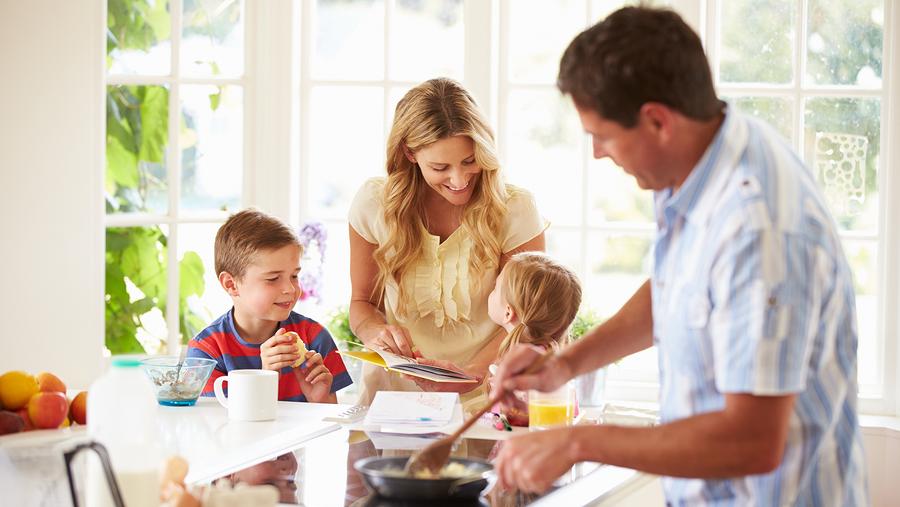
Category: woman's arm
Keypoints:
(366, 321)
(535, 244)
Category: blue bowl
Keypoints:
(174, 386)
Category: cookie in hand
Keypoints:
(301, 348)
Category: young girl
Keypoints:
(535, 300)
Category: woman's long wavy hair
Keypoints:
(545, 296)
(434, 110)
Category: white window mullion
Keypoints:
(480, 74)
(173, 341)
(305, 88)
(889, 181)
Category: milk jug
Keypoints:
(122, 415)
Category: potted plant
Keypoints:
(339, 327)
(589, 387)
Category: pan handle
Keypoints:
(459, 483)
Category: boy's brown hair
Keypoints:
(245, 234)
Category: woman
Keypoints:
(427, 242)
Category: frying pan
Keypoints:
(389, 485)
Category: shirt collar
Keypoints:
(685, 202)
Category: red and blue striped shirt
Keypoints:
(221, 342)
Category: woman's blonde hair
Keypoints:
(432, 111)
(545, 296)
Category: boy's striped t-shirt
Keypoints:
(221, 342)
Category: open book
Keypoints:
(409, 366)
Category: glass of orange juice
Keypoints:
(551, 409)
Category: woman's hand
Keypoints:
(444, 387)
(394, 339)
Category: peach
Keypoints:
(50, 383)
(78, 408)
(16, 388)
(47, 410)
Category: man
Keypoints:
(750, 303)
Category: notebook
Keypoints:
(409, 366)
(410, 412)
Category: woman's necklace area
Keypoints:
(445, 222)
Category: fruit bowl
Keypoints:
(176, 386)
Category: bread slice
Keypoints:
(301, 348)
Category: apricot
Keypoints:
(50, 383)
(16, 388)
(10, 422)
(78, 408)
(47, 410)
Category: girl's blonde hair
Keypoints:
(545, 296)
(432, 111)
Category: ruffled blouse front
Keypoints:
(447, 315)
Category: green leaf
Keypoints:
(121, 165)
(190, 275)
(214, 99)
(154, 124)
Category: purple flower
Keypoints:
(312, 235)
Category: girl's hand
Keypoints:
(278, 351)
(315, 379)
(445, 387)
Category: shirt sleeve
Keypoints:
(766, 292)
(366, 209)
(523, 222)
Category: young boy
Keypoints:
(257, 258)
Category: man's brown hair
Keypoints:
(245, 234)
(634, 56)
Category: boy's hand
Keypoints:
(278, 351)
(315, 379)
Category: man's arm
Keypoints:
(747, 437)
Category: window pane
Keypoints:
(539, 32)
(211, 139)
(602, 8)
(756, 41)
(139, 37)
(136, 289)
(544, 152)
(614, 196)
(618, 265)
(137, 130)
(565, 246)
(421, 30)
(349, 39)
(335, 282)
(346, 148)
(775, 111)
(842, 143)
(844, 45)
(212, 38)
(203, 299)
(863, 259)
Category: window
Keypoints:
(175, 164)
(815, 71)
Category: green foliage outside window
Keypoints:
(137, 133)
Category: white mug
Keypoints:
(252, 394)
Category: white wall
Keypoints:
(51, 169)
(882, 446)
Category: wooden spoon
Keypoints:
(434, 456)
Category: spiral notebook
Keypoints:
(409, 366)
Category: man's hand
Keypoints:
(278, 351)
(531, 462)
(444, 387)
(554, 373)
(315, 379)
